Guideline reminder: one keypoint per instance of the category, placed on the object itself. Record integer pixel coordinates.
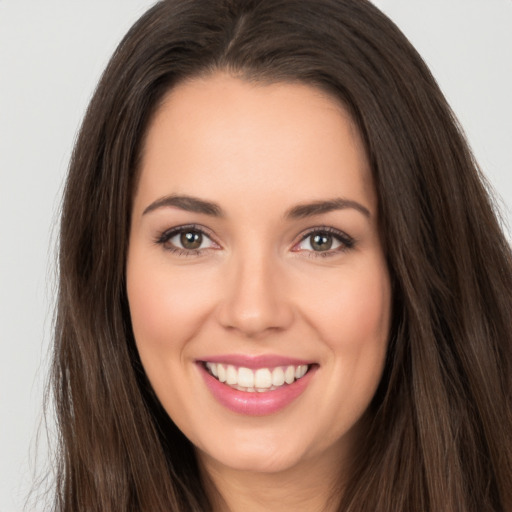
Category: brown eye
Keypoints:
(325, 242)
(191, 239)
(186, 241)
(321, 241)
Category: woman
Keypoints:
(283, 285)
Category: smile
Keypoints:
(256, 386)
(256, 380)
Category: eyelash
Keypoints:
(346, 241)
(164, 238)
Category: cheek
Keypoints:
(352, 308)
(354, 326)
(166, 305)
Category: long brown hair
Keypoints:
(440, 435)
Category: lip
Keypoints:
(256, 403)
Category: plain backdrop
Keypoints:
(51, 55)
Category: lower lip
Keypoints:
(256, 403)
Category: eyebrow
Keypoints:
(187, 203)
(301, 211)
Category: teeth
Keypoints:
(231, 375)
(260, 380)
(300, 371)
(263, 378)
(289, 375)
(213, 369)
(277, 377)
(245, 378)
(221, 373)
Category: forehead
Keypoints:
(225, 135)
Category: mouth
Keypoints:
(258, 380)
(256, 386)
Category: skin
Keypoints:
(256, 285)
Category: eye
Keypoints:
(325, 241)
(186, 240)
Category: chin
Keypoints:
(256, 461)
(257, 451)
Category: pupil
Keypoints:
(191, 240)
(321, 242)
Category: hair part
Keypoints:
(440, 431)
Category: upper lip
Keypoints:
(255, 362)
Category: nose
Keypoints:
(255, 301)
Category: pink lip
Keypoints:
(256, 403)
(255, 362)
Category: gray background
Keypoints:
(51, 55)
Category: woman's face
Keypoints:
(255, 259)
